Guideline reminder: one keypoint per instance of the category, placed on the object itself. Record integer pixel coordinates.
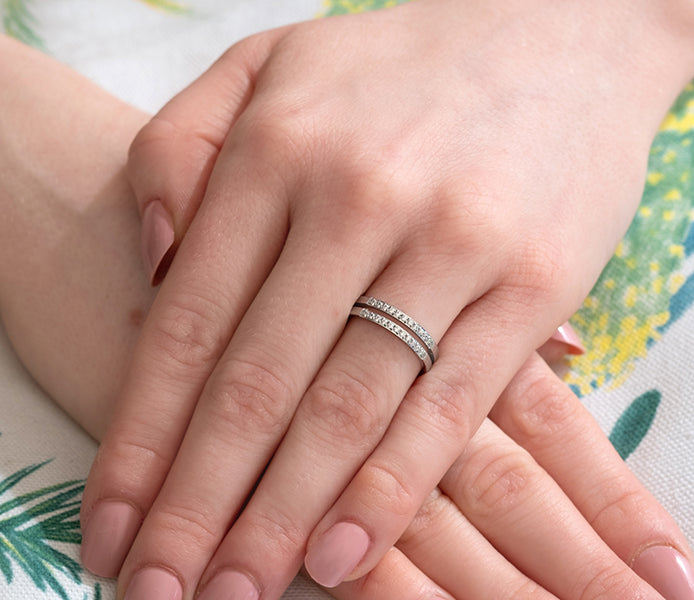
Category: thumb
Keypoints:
(564, 341)
(172, 157)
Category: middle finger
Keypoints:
(342, 417)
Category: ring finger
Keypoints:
(339, 421)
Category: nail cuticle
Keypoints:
(667, 570)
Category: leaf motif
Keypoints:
(343, 7)
(5, 565)
(634, 423)
(170, 6)
(30, 521)
(19, 23)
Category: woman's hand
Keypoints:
(78, 279)
(510, 519)
(473, 164)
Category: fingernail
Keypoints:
(566, 335)
(153, 583)
(229, 585)
(157, 240)
(108, 535)
(334, 557)
(667, 571)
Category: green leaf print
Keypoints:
(343, 7)
(632, 302)
(634, 423)
(19, 23)
(31, 522)
(170, 6)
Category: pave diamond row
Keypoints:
(406, 320)
(396, 330)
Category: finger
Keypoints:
(501, 489)
(541, 414)
(171, 158)
(443, 544)
(432, 425)
(393, 577)
(242, 414)
(186, 331)
(564, 341)
(339, 421)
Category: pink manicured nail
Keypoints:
(334, 557)
(157, 239)
(108, 535)
(229, 585)
(667, 571)
(566, 335)
(154, 584)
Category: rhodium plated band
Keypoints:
(404, 327)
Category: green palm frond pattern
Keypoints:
(33, 524)
(19, 22)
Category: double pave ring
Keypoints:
(400, 325)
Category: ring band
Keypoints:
(417, 338)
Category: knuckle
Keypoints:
(187, 333)
(135, 452)
(155, 133)
(623, 502)
(277, 129)
(134, 456)
(411, 584)
(370, 186)
(247, 396)
(443, 403)
(496, 482)
(525, 589)
(191, 526)
(541, 410)
(344, 408)
(429, 518)
(608, 582)
(386, 490)
(281, 532)
(540, 271)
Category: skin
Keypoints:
(478, 177)
(71, 225)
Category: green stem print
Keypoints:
(33, 524)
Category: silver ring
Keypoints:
(417, 338)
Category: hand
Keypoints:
(505, 522)
(452, 199)
(94, 271)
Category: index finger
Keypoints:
(172, 157)
(543, 415)
(189, 326)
